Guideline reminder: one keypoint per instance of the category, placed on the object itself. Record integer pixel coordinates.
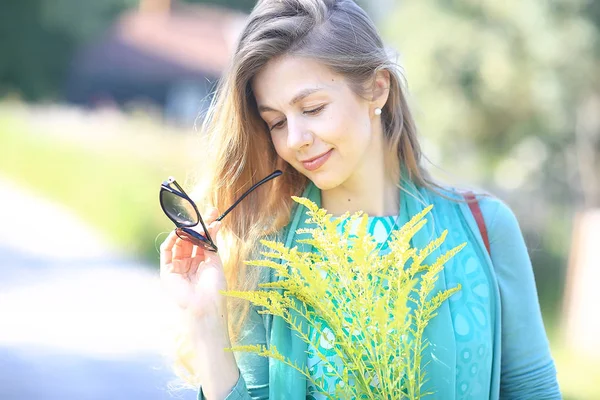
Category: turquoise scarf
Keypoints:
(463, 357)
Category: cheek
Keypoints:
(348, 124)
(279, 142)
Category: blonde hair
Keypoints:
(238, 149)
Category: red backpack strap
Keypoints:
(476, 210)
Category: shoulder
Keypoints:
(500, 219)
(508, 249)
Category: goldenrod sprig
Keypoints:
(375, 306)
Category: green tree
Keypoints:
(500, 89)
(38, 38)
(33, 55)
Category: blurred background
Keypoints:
(99, 102)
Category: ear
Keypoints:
(381, 89)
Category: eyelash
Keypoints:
(314, 111)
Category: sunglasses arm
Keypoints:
(275, 174)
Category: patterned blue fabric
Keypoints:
(488, 342)
(467, 316)
(459, 360)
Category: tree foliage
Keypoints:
(39, 38)
(510, 77)
(506, 95)
(505, 76)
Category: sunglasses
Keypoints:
(181, 209)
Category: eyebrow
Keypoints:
(297, 98)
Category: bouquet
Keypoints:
(376, 307)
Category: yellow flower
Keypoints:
(357, 293)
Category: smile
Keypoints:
(316, 162)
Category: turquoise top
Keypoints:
(487, 341)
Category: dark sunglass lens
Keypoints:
(178, 209)
(195, 238)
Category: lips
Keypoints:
(316, 162)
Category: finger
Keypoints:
(197, 256)
(166, 248)
(208, 218)
(194, 265)
(211, 214)
(182, 249)
(214, 228)
(211, 256)
(182, 266)
(169, 242)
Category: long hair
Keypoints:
(238, 148)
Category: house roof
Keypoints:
(145, 52)
(199, 37)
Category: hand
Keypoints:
(193, 276)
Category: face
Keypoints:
(317, 123)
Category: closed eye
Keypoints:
(315, 111)
(277, 125)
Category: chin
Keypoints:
(325, 181)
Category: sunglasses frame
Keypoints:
(204, 241)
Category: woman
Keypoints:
(312, 92)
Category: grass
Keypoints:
(578, 374)
(111, 180)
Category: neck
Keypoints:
(372, 192)
(371, 188)
(385, 203)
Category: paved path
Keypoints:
(77, 321)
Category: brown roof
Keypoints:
(198, 37)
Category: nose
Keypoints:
(298, 136)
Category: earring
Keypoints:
(378, 111)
